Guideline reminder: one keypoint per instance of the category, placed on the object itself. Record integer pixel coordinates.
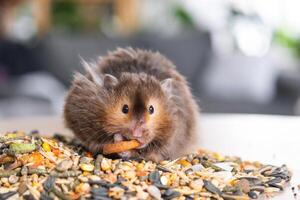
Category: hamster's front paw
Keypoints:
(125, 154)
(155, 157)
(129, 154)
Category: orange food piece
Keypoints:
(74, 196)
(141, 173)
(119, 147)
(35, 158)
(184, 163)
(56, 152)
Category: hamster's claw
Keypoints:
(118, 137)
(125, 154)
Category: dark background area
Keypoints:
(227, 73)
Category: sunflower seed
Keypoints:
(211, 188)
(49, 183)
(154, 177)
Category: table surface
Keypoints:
(269, 139)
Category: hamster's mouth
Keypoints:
(118, 138)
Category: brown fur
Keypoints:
(93, 107)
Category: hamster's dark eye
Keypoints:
(125, 109)
(151, 110)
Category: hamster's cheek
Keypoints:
(118, 119)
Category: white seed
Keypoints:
(225, 166)
(225, 175)
(142, 195)
(13, 179)
(197, 167)
(105, 165)
(94, 178)
(64, 165)
(196, 184)
(164, 180)
(154, 192)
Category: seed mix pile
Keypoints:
(36, 167)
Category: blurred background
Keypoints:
(240, 56)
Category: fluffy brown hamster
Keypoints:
(133, 94)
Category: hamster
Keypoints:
(133, 94)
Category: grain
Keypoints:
(32, 166)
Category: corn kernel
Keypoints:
(140, 166)
(184, 163)
(35, 184)
(219, 157)
(46, 147)
(87, 167)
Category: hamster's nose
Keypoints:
(141, 122)
(138, 132)
(138, 128)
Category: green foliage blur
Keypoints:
(286, 40)
(183, 16)
(66, 15)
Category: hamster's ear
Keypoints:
(167, 86)
(90, 68)
(109, 81)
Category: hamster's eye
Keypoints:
(125, 109)
(151, 110)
